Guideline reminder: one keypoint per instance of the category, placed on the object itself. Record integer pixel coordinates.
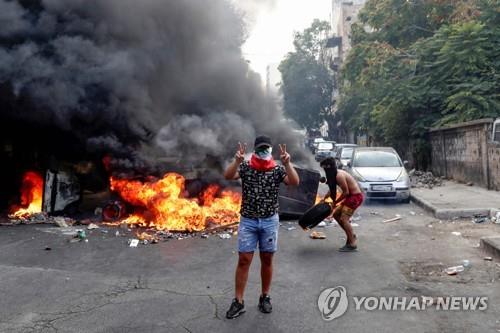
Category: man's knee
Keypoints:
(344, 218)
(245, 259)
(266, 258)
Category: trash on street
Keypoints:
(81, 234)
(317, 235)
(454, 270)
(61, 222)
(397, 218)
(479, 219)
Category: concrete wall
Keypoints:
(465, 153)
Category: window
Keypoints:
(325, 146)
(346, 153)
(376, 159)
(496, 131)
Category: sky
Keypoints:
(271, 36)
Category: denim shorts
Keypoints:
(259, 230)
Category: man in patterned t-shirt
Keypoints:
(261, 178)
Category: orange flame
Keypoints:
(31, 196)
(166, 208)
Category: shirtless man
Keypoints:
(350, 199)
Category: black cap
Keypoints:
(263, 141)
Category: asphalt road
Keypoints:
(187, 285)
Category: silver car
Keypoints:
(324, 150)
(380, 173)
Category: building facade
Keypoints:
(344, 14)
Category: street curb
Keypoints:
(423, 204)
(450, 213)
(491, 247)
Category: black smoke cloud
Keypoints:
(138, 79)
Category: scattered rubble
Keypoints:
(480, 219)
(397, 218)
(60, 222)
(456, 233)
(488, 258)
(497, 218)
(144, 236)
(81, 234)
(422, 179)
(133, 242)
(454, 270)
(36, 218)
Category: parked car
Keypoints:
(339, 146)
(315, 144)
(324, 150)
(344, 156)
(380, 173)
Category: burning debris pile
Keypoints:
(163, 204)
(155, 87)
(30, 206)
(424, 179)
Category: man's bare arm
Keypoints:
(231, 172)
(292, 177)
(342, 182)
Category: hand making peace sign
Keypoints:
(285, 157)
(240, 153)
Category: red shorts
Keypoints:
(348, 205)
(353, 201)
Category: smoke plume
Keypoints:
(138, 79)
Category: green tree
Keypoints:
(307, 84)
(396, 82)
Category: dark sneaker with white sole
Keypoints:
(236, 309)
(265, 304)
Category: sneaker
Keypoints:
(236, 309)
(265, 304)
